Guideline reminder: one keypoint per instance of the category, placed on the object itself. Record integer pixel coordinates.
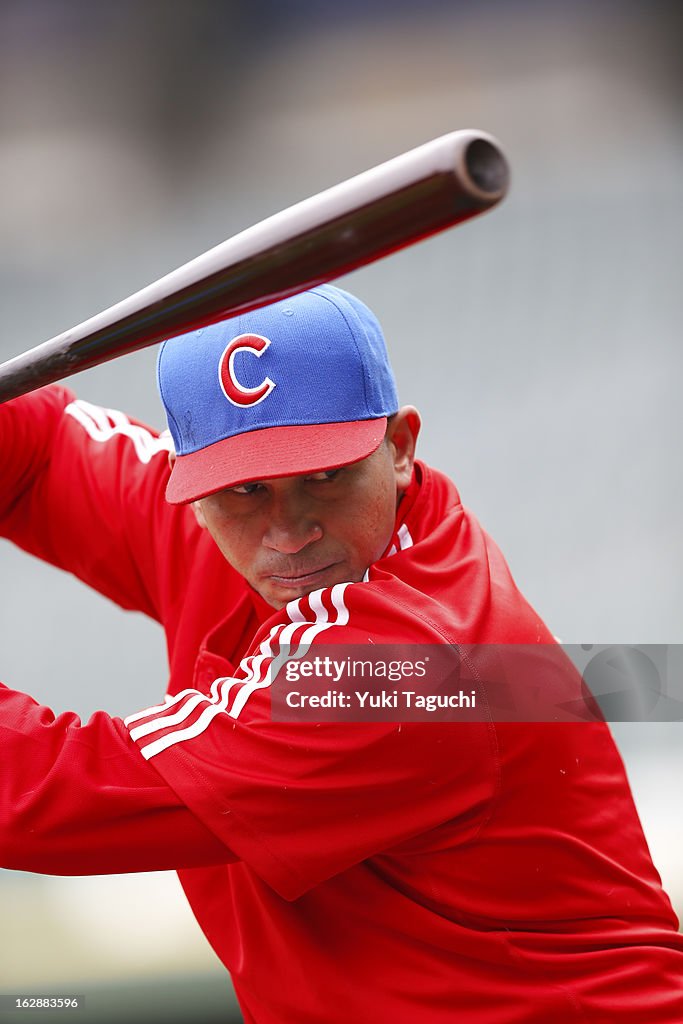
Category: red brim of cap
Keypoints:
(270, 453)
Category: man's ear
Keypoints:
(402, 433)
(165, 437)
(198, 514)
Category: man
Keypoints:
(343, 870)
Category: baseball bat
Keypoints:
(393, 205)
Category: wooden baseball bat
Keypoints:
(393, 205)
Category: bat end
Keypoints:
(486, 167)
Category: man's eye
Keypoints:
(326, 474)
(248, 488)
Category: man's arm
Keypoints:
(79, 799)
(83, 488)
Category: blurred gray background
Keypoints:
(541, 342)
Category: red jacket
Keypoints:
(343, 871)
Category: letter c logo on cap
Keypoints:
(235, 392)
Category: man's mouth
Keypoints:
(302, 578)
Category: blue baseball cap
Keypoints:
(295, 387)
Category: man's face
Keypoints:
(291, 535)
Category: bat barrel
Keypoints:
(391, 206)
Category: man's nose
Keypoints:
(292, 526)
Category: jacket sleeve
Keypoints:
(83, 488)
(80, 799)
(301, 801)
